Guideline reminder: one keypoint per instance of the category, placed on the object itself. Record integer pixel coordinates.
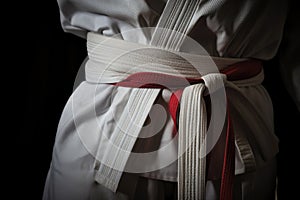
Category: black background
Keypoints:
(46, 70)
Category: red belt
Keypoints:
(238, 71)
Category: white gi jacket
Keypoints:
(242, 32)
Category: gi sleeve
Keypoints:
(107, 17)
(289, 55)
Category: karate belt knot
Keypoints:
(192, 130)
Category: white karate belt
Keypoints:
(192, 119)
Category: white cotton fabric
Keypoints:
(237, 34)
(224, 27)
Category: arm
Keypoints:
(289, 56)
